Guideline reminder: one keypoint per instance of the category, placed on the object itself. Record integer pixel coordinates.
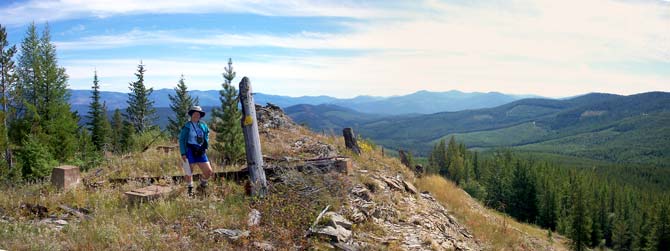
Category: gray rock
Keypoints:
(231, 234)
(254, 218)
(60, 222)
(338, 220)
(410, 188)
(264, 246)
(338, 234)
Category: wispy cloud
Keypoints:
(552, 48)
(55, 10)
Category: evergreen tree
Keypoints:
(226, 121)
(29, 68)
(580, 233)
(548, 206)
(127, 135)
(97, 117)
(661, 228)
(117, 131)
(140, 112)
(8, 80)
(106, 128)
(524, 197)
(475, 166)
(181, 102)
(43, 88)
(439, 158)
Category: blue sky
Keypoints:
(349, 48)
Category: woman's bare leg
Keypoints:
(206, 169)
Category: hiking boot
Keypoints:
(190, 191)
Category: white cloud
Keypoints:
(55, 10)
(552, 48)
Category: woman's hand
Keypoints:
(183, 157)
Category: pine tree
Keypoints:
(106, 128)
(524, 197)
(29, 68)
(439, 156)
(8, 80)
(548, 206)
(226, 122)
(97, 115)
(42, 87)
(580, 233)
(127, 135)
(140, 112)
(661, 228)
(181, 102)
(59, 122)
(117, 130)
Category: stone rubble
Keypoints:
(273, 117)
(412, 222)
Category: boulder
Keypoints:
(254, 218)
(409, 187)
(231, 234)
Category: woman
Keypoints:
(193, 143)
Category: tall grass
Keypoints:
(498, 231)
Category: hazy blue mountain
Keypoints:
(422, 102)
(425, 102)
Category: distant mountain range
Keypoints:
(599, 126)
(422, 102)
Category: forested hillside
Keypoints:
(621, 129)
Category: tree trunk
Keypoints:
(252, 140)
(350, 140)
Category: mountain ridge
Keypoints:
(421, 102)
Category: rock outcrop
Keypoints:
(410, 220)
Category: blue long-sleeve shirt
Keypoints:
(186, 132)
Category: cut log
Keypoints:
(350, 140)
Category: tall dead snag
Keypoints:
(252, 140)
(350, 140)
(403, 159)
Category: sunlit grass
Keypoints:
(496, 230)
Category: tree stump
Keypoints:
(252, 141)
(350, 140)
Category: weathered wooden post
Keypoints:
(383, 155)
(252, 140)
(350, 140)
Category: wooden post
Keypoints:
(252, 140)
(350, 140)
(383, 155)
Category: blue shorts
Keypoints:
(195, 159)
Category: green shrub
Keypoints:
(35, 160)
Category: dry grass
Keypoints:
(497, 231)
(175, 223)
(181, 223)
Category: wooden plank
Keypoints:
(148, 193)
